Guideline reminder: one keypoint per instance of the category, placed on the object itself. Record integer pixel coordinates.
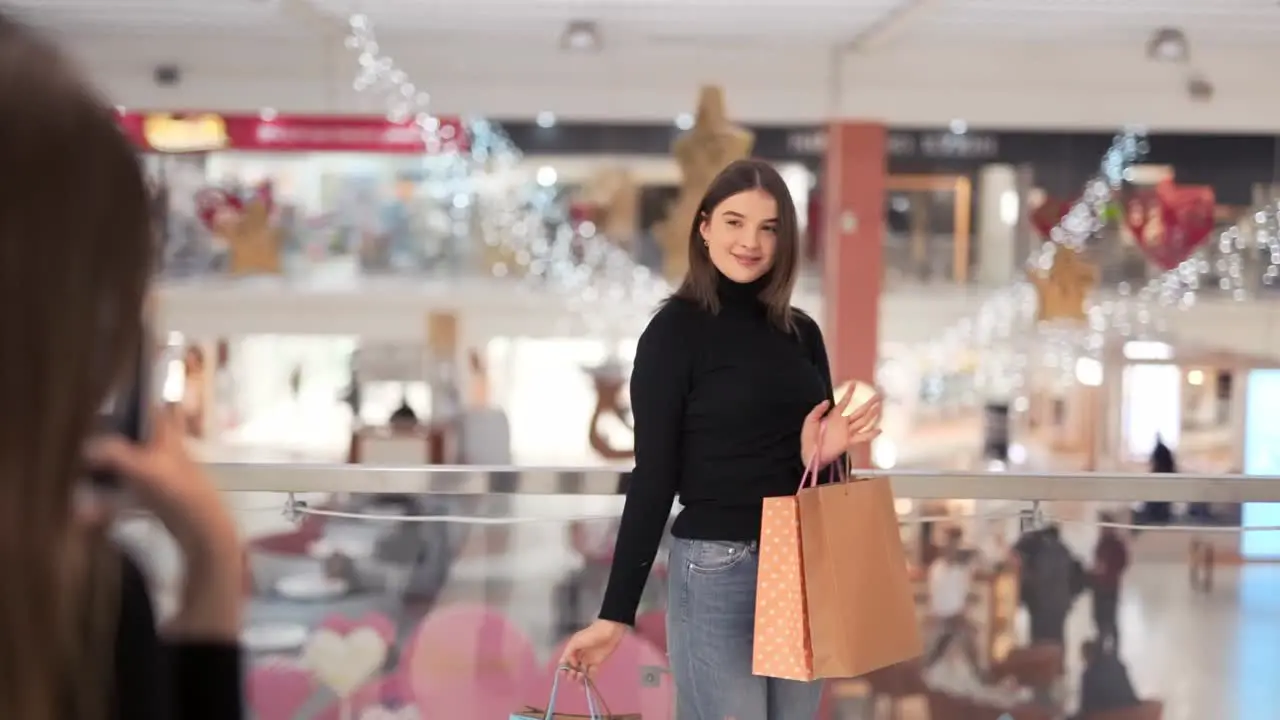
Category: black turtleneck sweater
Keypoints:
(718, 402)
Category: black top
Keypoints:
(156, 680)
(718, 402)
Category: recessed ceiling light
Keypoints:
(267, 114)
(684, 121)
(546, 119)
(1169, 44)
(959, 127)
(581, 36)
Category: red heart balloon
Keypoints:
(266, 195)
(213, 202)
(1141, 208)
(1182, 221)
(1049, 214)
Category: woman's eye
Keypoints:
(770, 229)
(734, 223)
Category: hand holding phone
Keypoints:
(126, 412)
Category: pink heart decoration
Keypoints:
(469, 661)
(379, 623)
(408, 712)
(380, 694)
(278, 688)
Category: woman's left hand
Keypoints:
(843, 432)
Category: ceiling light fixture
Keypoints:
(546, 119)
(581, 36)
(1169, 44)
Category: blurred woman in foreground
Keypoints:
(78, 639)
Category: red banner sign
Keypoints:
(1170, 222)
(205, 132)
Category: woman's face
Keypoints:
(741, 235)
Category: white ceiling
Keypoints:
(995, 63)
(1210, 21)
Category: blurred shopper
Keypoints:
(950, 583)
(1162, 461)
(1104, 683)
(1051, 579)
(729, 389)
(1110, 561)
(78, 636)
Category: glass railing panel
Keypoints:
(455, 601)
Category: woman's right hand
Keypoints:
(843, 432)
(167, 482)
(591, 646)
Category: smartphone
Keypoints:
(862, 394)
(126, 411)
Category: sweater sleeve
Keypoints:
(155, 680)
(811, 334)
(660, 382)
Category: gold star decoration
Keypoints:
(253, 241)
(1063, 289)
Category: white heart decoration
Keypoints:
(345, 662)
(407, 712)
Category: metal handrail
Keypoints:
(612, 481)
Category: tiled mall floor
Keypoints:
(1205, 655)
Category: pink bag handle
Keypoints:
(810, 476)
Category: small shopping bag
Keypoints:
(861, 606)
(596, 708)
(781, 646)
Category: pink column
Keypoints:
(853, 248)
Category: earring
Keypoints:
(706, 244)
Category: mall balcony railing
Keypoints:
(450, 589)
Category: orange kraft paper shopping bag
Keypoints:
(839, 541)
(861, 606)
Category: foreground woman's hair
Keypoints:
(75, 254)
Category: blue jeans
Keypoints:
(711, 609)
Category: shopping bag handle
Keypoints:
(835, 470)
(592, 695)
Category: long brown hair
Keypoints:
(75, 261)
(700, 281)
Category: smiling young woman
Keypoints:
(729, 388)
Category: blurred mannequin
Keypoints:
(702, 152)
(950, 583)
(609, 384)
(615, 202)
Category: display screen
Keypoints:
(1261, 457)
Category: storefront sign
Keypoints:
(205, 132)
(198, 133)
(933, 145)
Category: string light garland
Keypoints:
(524, 224)
(527, 229)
